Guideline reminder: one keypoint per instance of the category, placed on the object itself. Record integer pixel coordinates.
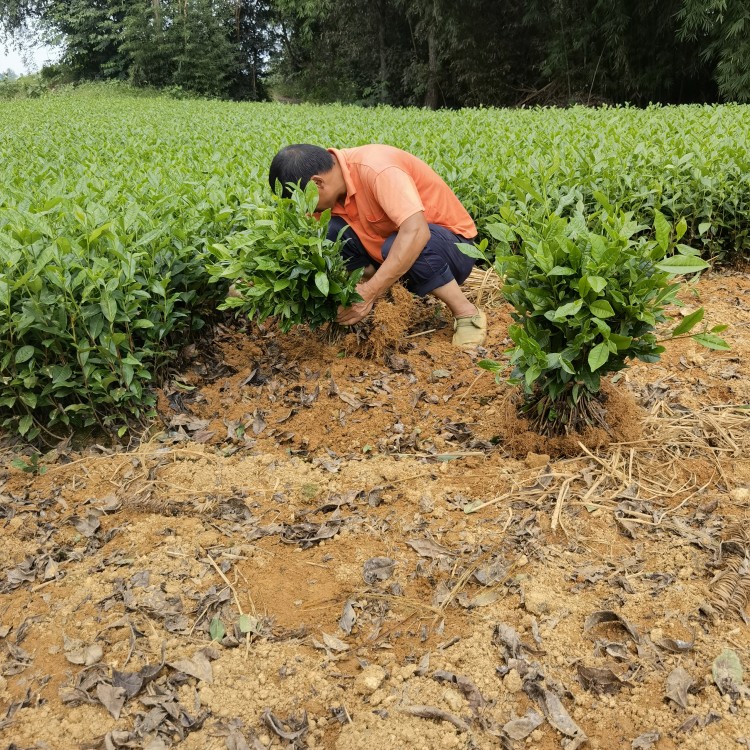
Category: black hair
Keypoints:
(298, 163)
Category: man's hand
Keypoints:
(348, 316)
(413, 235)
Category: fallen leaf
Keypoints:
(607, 616)
(291, 729)
(677, 686)
(431, 712)
(86, 526)
(112, 698)
(348, 618)
(78, 653)
(520, 729)
(674, 645)
(199, 666)
(464, 684)
(378, 569)
(334, 643)
(555, 713)
(482, 599)
(727, 671)
(689, 724)
(600, 680)
(645, 741)
(426, 548)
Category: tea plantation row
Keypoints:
(109, 208)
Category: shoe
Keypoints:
(470, 330)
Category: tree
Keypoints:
(255, 33)
(92, 30)
(720, 30)
(206, 59)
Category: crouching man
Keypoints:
(402, 221)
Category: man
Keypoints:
(402, 219)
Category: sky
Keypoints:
(13, 59)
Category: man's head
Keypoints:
(303, 162)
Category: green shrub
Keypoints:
(284, 266)
(588, 293)
(87, 322)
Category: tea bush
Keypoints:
(588, 293)
(284, 266)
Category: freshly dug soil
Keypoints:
(385, 557)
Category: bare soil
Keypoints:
(346, 544)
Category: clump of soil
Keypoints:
(330, 548)
(624, 419)
(392, 318)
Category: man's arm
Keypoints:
(413, 235)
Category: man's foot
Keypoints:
(470, 330)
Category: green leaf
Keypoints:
(321, 281)
(216, 629)
(598, 356)
(621, 342)
(689, 322)
(471, 250)
(682, 264)
(663, 230)
(597, 283)
(24, 424)
(727, 671)
(710, 341)
(531, 375)
(601, 309)
(24, 354)
(490, 365)
(680, 229)
(108, 307)
(564, 311)
(29, 398)
(248, 624)
(561, 271)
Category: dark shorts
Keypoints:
(439, 263)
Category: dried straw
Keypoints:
(484, 288)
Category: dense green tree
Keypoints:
(720, 31)
(409, 52)
(145, 44)
(92, 30)
(204, 58)
(255, 32)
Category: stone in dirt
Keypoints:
(369, 680)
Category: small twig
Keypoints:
(691, 495)
(561, 495)
(226, 580)
(507, 524)
(431, 712)
(473, 383)
(420, 333)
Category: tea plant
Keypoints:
(284, 266)
(588, 295)
(110, 206)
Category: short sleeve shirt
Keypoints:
(385, 186)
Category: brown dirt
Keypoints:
(291, 463)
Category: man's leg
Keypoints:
(352, 250)
(440, 270)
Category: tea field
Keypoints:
(111, 205)
(300, 542)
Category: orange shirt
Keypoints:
(385, 186)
